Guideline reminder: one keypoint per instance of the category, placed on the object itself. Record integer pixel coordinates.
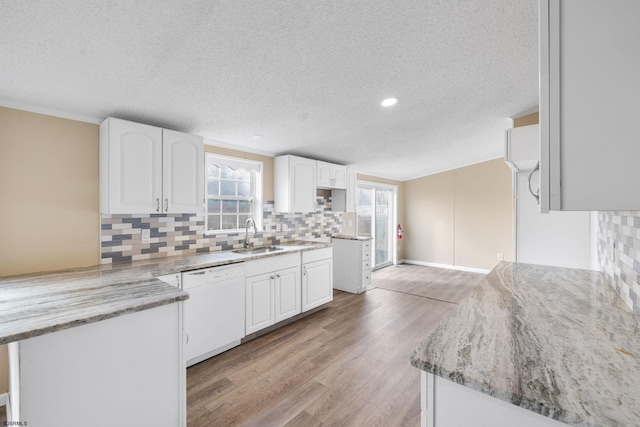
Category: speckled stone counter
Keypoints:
(347, 237)
(556, 341)
(36, 304)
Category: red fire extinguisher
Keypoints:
(399, 232)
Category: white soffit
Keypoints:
(307, 76)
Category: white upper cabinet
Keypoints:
(589, 92)
(145, 169)
(331, 176)
(294, 184)
(183, 172)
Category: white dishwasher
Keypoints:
(214, 314)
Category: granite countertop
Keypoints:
(556, 341)
(347, 237)
(40, 303)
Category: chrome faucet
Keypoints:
(246, 231)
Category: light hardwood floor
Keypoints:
(346, 365)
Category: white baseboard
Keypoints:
(3, 399)
(450, 267)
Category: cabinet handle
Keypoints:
(304, 270)
(272, 277)
(158, 204)
(278, 276)
(537, 193)
(166, 205)
(187, 335)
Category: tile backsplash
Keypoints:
(183, 234)
(619, 253)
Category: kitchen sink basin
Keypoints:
(259, 250)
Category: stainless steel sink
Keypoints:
(259, 250)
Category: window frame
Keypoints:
(257, 177)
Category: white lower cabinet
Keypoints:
(442, 399)
(349, 254)
(317, 278)
(272, 291)
(131, 363)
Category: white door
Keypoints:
(303, 184)
(135, 168)
(287, 286)
(260, 302)
(183, 173)
(317, 283)
(377, 210)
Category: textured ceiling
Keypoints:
(308, 76)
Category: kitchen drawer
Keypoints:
(366, 265)
(366, 279)
(366, 255)
(317, 255)
(272, 263)
(366, 246)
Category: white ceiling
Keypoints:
(308, 76)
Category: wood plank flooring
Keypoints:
(346, 365)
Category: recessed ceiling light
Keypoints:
(389, 102)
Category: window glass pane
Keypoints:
(228, 173)
(227, 188)
(229, 222)
(213, 222)
(244, 189)
(213, 171)
(213, 187)
(365, 211)
(243, 175)
(213, 205)
(229, 206)
(231, 187)
(244, 206)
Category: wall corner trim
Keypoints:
(4, 398)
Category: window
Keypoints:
(234, 193)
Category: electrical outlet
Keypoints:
(500, 257)
(145, 235)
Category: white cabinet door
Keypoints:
(317, 283)
(260, 302)
(325, 176)
(589, 91)
(294, 184)
(330, 175)
(183, 172)
(287, 298)
(130, 167)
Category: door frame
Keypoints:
(393, 217)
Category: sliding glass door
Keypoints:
(376, 213)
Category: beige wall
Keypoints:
(461, 217)
(50, 193)
(401, 205)
(529, 119)
(429, 213)
(49, 190)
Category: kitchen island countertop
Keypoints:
(556, 341)
(40, 303)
